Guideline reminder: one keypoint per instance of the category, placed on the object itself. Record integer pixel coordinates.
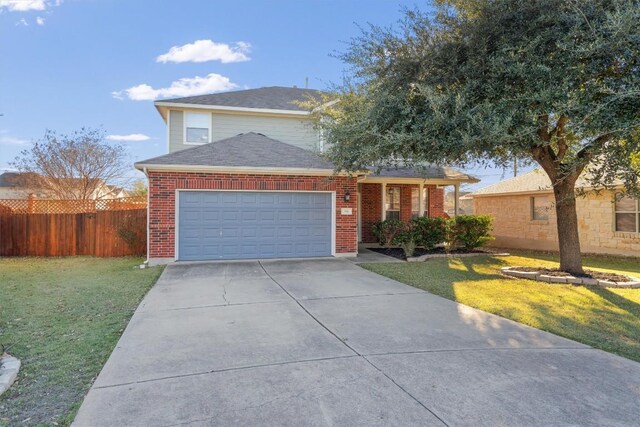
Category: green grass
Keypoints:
(608, 319)
(62, 317)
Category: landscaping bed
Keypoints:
(589, 278)
(613, 277)
(418, 252)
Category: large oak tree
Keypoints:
(487, 81)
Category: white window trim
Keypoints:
(616, 212)
(184, 127)
(384, 208)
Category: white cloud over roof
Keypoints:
(207, 50)
(130, 137)
(187, 86)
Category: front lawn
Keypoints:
(608, 319)
(62, 317)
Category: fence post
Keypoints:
(30, 203)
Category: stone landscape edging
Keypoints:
(9, 367)
(570, 280)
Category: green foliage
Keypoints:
(408, 239)
(386, 231)
(139, 188)
(471, 231)
(431, 231)
(486, 81)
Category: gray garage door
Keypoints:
(237, 225)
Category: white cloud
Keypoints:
(187, 86)
(23, 5)
(6, 139)
(130, 137)
(207, 50)
(22, 22)
(40, 20)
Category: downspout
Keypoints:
(144, 170)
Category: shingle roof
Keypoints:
(252, 150)
(424, 171)
(273, 98)
(16, 179)
(534, 181)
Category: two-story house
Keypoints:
(244, 178)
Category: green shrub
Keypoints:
(408, 239)
(430, 231)
(386, 231)
(470, 231)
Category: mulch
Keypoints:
(612, 277)
(399, 253)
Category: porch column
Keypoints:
(456, 199)
(383, 214)
(421, 199)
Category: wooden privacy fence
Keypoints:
(105, 232)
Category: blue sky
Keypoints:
(67, 64)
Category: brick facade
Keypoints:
(514, 228)
(370, 210)
(163, 186)
(371, 205)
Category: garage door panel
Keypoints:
(236, 225)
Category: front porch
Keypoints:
(406, 193)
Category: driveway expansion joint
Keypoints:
(406, 391)
(215, 371)
(307, 311)
(445, 350)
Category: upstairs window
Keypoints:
(540, 206)
(392, 203)
(627, 214)
(197, 127)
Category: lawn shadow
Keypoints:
(489, 263)
(618, 300)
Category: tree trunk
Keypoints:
(567, 223)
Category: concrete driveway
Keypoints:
(324, 342)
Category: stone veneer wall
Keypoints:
(514, 228)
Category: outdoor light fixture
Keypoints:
(347, 196)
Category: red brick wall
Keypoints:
(371, 205)
(370, 209)
(163, 186)
(436, 202)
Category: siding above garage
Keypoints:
(291, 130)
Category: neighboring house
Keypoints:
(18, 185)
(525, 217)
(15, 185)
(465, 204)
(244, 178)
